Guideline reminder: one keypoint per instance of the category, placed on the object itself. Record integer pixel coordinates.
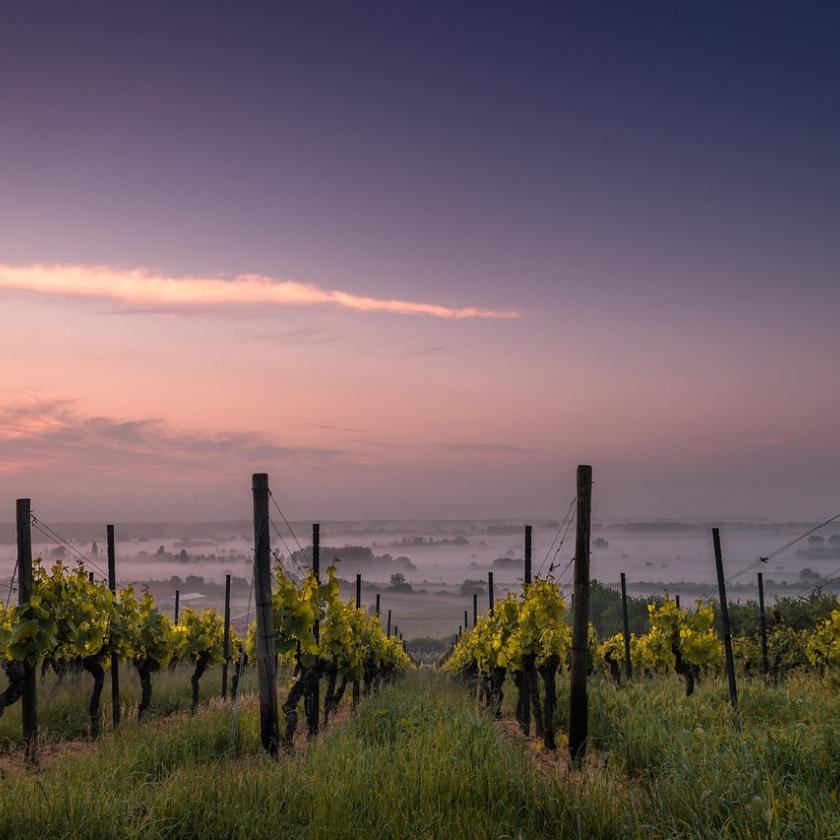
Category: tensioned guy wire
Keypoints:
(53, 536)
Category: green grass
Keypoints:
(63, 705)
(419, 760)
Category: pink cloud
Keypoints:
(140, 288)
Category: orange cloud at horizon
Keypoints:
(140, 287)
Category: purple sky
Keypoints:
(652, 190)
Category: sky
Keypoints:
(419, 259)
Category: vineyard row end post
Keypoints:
(29, 700)
(226, 639)
(115, 660)
(578, 723)
(628, 659)
(490, 598)
(525, 685)
(266, 665)
(315, 698)
(356, 687)
(762, 626)
(724, 616)
(177, 604)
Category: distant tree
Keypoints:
(473, 587)
(399, 583)
(809, 575)
(816, 539)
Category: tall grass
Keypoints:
(63, 704)
(419, 760)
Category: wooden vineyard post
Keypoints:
(527, 554)
(396, 631)
(466, 620)
(388, 632)
(226, 640)
(115, 660)
(314, 699)
(525, 681)
(90, 577)
(677, 599)
(762, 626)
(490, 598)
(578, 724)
(475, 609)
(177, 604)
(724, 615)
(628, 659)
(377, 604)
(29, 701)
(266, 667)
(356, 692)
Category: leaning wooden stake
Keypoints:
(226, 639)
(115, 660)
(29, 701)
(266, 668)
(578, 724)
(628, 660)
(724, 615)
(762, 626)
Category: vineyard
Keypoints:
(530, 725)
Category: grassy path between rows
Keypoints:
(419, 760)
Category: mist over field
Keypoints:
(427, 570)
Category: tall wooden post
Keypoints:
(396, 631)
(226, 640)
(177, 604)
(475, 608)
(762, 626)
(356, 689)
(677, 599)
(724, 615)
(388, 632)
(90, 577)
(29, 702)
(527, 554)
(466, 620)
(115, 660)
(490, 598)
(377, 604)
(628, 659)
(315, 697)
(578, 724)
(266, 667)
(527, 664)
